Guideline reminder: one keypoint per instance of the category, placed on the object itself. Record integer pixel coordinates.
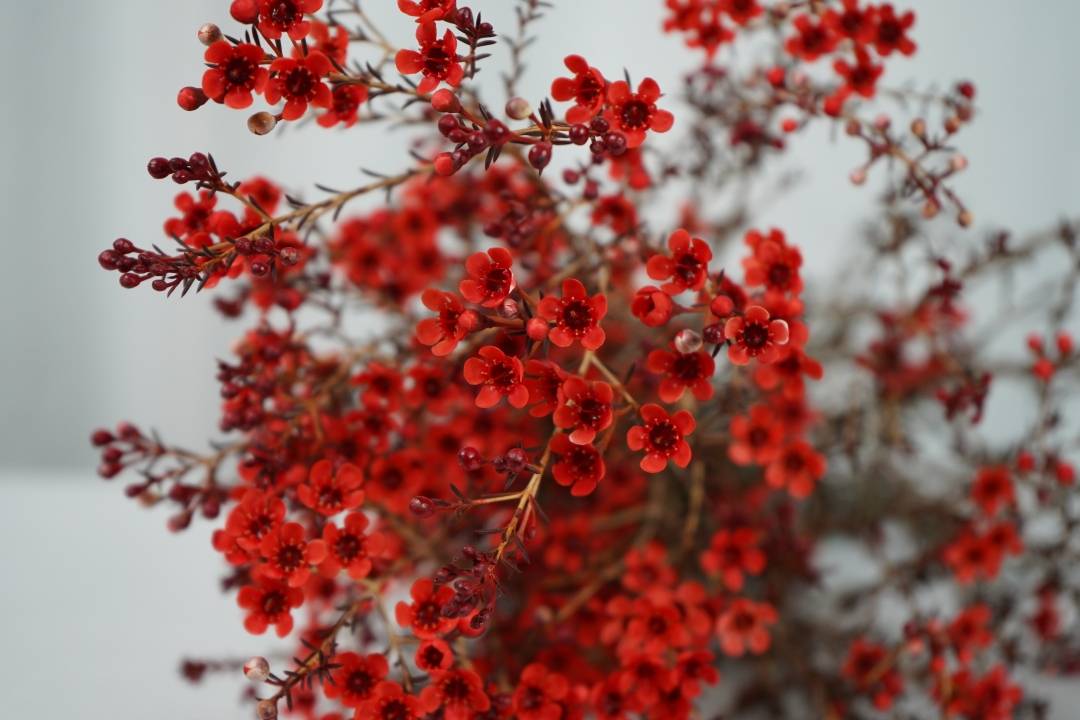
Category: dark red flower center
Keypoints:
(755, 336)
(589, 89)
(427, 615)
(533, 698)
(577, 316)
(299, 83)
(455, 689)
(348, 546)
(290, 557)
(273, 603)
(634, 114)
(687, 367)
(664, 436)
(433, 656)
(591, 412)
(283, 14)
(889, 31)
(779, 275)
(329, 496)
(501, 374)
(497, 280)
(394, 709)
(239, 71)
(359, 682)
(437, 61)
(688, 269)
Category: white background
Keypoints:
(97, 601)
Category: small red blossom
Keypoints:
(652, 306)
(797, 467)
(860, 78)
(490, 278)
(993, 489)
(662, 437)
(328, 491)
(434, 654)
(733, 554)
(235, 73)
(344, 106)
(428, 10)
(498, 376)
(773, 263)
(584, 409)
(289, 555)
(814, 39)
(349, 548)
(298, 81)
(586, 88)
(890, 31)
(424, 615)
(389, 701)
(755, 437)
(687, 265)
(635, 113)
(539, 693)
(681, 371)
(277, 17)
(437, 59)
(453, 324)
(741, 11)
(579, 467)
(269, 602)
(576, 316)
(851, 21)
(743, 627)
(459, 693)
(870, 668)
(968, 631)
(754, 335)
(355, 677)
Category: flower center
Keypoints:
(290, 557)
(436, 61)
(299, 83)
(359, 683)
(635, 114)
(755, 337)
(238, 71)
(347, 547)
(283, 14)
(664, 436)
(273, 603)
(577, 316)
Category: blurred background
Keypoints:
(97, 597)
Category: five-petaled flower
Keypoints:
(355, 677)
(498, 375)
(269, 602)
(687, 265)
(459, 693)
(490, 277)
(584, 408)
(579, 467)
(693, 370)
(744, 627)
(635, 113)
(586, 88)
(732, 554)
(277, 17)
(349, 548)
(298, 81)
(424, 615)
(538, 694)
(437, 59)
(662, 437)
(453, 324)
(328, 491)
(576, 316)
(235, 72)
(754, 335)
(289, 555)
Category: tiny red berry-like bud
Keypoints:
(257, 669)
(579, 134)
(421, 506)
(130, 280)
(444, 164)
(123, 246)
(470, 459)
(159, 168)
(261, 123)
(244, 11)
(496, 132)
(209, 34)
(446, 101)
(101, 437)
(191, 98)
(967, 89)
(536, 329)
(108, 259)
(259, 268)
(713, 334)
(540, 155)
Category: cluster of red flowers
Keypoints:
(581, 468)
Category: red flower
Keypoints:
(741, 11)
(890, 31)
(437, 59)
(269, 602)
(870, 668)
(344, 106)
(576, 316)
(755, 437)
(257, 515)
(428, 10)
(235, 72)
(453, 324)
(733, 553)
(333, 42)
(787, 370)
(434, 654)
(299, 82)
(586, 88)
(652, 306)
(585, 407)
(652, 627)
(815, 39)
(286, 16)
(390, 702)
(633, 114)
(774, 263)
(743, 627)
(992, 697)
(538, 694)
(355, 678)
(459, 693)
(662, 437)
(753, 335)
(579, 467)
(860, 78)
(688, 265)
(349, 548)
(289, 555)
(499, 375)
(798, 467)
(681, 371)
(852, 22)
(424, 615)
(968, 632)
(544, 384)
(490, 277)
(330, 492)
(993, 488)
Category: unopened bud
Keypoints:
(964, 219)
(257, 669)
(209, 34)
(518, 108)
(261, 123)
(687, 341)
(857, 176)
(958, 163)
(266, 710)
(918, 127)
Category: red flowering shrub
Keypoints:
(693, 422)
